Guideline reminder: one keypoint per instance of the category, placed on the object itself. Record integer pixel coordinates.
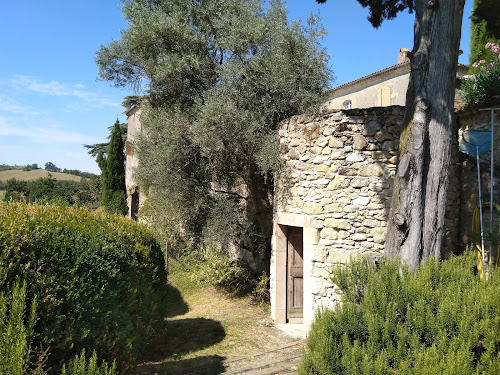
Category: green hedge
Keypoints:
(441, 320)
(98, 278)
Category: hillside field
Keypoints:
(35, 174)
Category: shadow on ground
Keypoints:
(207, 365)
(184, 336)
(181, 337)
(175, 303)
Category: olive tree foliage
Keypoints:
(218, 77)
(416, 221)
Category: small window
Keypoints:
(347, 104)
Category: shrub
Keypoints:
(79, 366)
(486, 81)
(441, 320)
(216, 268)
(16, 333)
(98, 278)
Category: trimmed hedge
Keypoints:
(441, 320)
(98, 278)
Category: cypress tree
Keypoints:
(113, 184)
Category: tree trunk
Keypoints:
(260, 209)
(415, 227)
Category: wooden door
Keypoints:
(295, 272)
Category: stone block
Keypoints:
(321, 182)
(371, 170)
(293, 154)
(322, 168)
(337, 224)
(328, 233)
(335, 142)
(359, 182)
(361, 201)
(337, 154)
(358, 237)
(332, 208)
(338, 183)
(379, 234)
(359, 142)
(355, 157)
(382, 136)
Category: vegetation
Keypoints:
(487, 11)
(80, 366)
(52, 191)
(77, 172)
(486, 82)
(215, 268)
(16, 332)
(51, 167)
(114, 198)
(440, 320)
(102, 148)
(478, 39)
(31, 167)
(98, 277)
(220, 77)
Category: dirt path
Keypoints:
(209, 332)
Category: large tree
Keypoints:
(219, 78)
(416, 220)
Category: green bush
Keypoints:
(79, 366)
(216, 268)
(16, 333)
(485, 83)
(98, 278)
(441, 320)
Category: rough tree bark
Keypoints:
(416, 220)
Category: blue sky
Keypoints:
(51, 102)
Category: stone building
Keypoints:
(332, 200)
(134, 197)
(380, 89)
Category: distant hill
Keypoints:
(35, 174)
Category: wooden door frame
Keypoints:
(278, 265)
(293, 315)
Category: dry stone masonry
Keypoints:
(336, 181)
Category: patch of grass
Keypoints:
(2, 194)
(205, 325)
(35, 175)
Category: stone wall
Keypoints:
(134, 198)
(337, 175)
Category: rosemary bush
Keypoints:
(441, 320)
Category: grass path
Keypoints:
(207, 326)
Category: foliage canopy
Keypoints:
(219, 76)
